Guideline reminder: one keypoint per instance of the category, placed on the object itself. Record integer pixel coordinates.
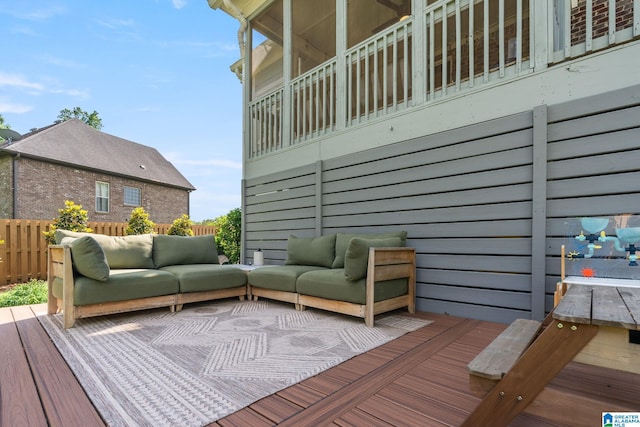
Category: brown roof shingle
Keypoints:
(75, 143)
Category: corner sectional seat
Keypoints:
(92, 274)
(356, 274)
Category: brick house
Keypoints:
(107, 175)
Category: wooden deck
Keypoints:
(419, 379)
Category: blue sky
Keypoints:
(156, 71)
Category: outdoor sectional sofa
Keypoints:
(94, 274)
(356, 274)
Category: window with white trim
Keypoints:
(132, 196)
(102, 196)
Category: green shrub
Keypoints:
(72, 217)
(228, 229)
(181, 226)
(32, 292)
(139, 223)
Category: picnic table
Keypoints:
(591, 325)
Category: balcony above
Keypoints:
(318, 69)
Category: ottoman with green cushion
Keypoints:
(206, 277)
(279, 278)
(333, 284)
(123, 284)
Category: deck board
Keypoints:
(63, 399)
(20, 403)
(420, 378)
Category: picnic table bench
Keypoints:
(523, 359)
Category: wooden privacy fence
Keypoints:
(23, 256)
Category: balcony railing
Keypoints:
(379, 74)
(450, 47)
(313, 98)
(266, 121)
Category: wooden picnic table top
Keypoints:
(615, 306)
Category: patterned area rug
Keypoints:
(156, 368)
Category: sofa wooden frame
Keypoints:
(384, 264)
(60, 266)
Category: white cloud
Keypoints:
(23, 30)
(115, 24)
(176, 159)
(26, 11)
(179, 4)
(212, 162)
(76, 93)
(8, 107)
(18, 81)
(60, 62)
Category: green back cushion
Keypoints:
(318, 251)
(88, 257)
(357, 254)
(343, 239)
(179, 250)
(121, 251)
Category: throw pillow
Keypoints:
(318, 251)
(343, 239)
(88, 257)
(179, 250)
(357, 255)
(121, 251)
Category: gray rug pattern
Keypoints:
(191, 368)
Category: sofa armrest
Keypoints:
(60, 266)
(389, 264)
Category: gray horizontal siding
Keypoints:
(486, 206)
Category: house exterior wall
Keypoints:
(42, 188)
(484, 180)
(485, 205)
(6, 187)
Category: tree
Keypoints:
(228, 229)
(92, 119)
(139, 223)
(72, 217)
(181, 226)
(3, 126)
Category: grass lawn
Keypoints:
(32, 292)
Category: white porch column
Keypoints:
(247, 82)
(419, 51)
(287, 101)
(542, 14)
(341, 71)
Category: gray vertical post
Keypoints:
(243, 222)
(319, 198)
(539, 213)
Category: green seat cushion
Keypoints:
(332, 284)
(357, 256)
(180, 250)
(207, 277)
(318, 251)
(343, 239)
(122, 285)
(121, 251)
(88, 257)
(280, 277)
